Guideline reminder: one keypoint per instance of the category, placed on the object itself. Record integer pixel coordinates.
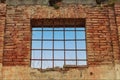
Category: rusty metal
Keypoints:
(58, 22)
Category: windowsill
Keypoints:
(64, 69)
(74, 66)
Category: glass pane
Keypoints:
(69, 28)
(59, 64)
(46, 64)
(70, 44)
(47, 28)
(35, 64)
(80, 28)
(70, 55)
(80, 34)
(36, 54)
(70, 62)
(47, 44)
(36, 28)
(36, 35)
(81, 62)
(58, 28)
(47, 35)
(69, 35)
(81, 45)
(58, 54)
(47, 54)
(81, 54)
(36, 44)
(58, 35)
(58, 44)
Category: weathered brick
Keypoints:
(102, 35)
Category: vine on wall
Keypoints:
(55, 3)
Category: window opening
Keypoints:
(57, 47)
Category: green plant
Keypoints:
(56, 6)
(112, 1)
(55, 3)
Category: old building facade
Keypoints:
(102, 38)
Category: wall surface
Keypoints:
(2, 27)
(46, 2)
(117, 12)
(102, 34)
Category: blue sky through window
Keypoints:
(56, 45)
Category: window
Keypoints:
(58, 46)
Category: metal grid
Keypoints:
(56, 47)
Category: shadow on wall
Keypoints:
(2, 1)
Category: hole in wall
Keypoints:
(91, 73)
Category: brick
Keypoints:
(7, 60)
(101, 31)
(18, 60)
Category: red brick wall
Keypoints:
(117, 15)
(101, 29)
(2, 26)
(17, 37)
(102, 36)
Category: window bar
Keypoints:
(59, 59)
(60, 30)
(86, 45)
(41, 47)
(53, 47)
(64, 47)
(31, 49)
(58, 40)
(75, 47)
